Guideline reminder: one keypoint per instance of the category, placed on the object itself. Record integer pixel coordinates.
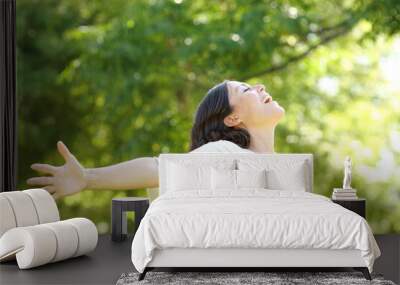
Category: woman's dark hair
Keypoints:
(209, 126)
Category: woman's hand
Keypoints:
(65, 180)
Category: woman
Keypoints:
(232, 117)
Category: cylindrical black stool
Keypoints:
(118, 215)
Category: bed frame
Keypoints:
(242, 259)
(246, 258)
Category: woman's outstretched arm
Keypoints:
(136, 173)
(72, 177)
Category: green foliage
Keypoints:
(119, 79)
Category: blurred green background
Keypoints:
(117, 80)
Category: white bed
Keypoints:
(195, 224)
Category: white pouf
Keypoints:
(31, 232)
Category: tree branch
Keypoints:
(341, 29)
(324, 30)
(332, 31)
(327, 34)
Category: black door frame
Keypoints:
(8, 99)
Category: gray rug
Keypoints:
(229, 278)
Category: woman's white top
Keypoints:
(220, 146)
(216, 146)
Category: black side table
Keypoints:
(118, 215)
(357, 205)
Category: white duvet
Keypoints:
(251, 218)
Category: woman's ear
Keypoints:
(232, 120)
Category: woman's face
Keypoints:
(252, 106)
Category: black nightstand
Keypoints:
(118, 215)
(357, 205)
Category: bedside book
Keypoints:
(344, 198)
(340, 190)
(344, 194)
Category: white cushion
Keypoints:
(45, 206)
(223, 179)
(31, 246)
(7, 218)
(30, 230)
(67, 240)
(251, 178)
(26, 208)
(40, 244)
(281, 174)
(192, 175)
(233, 179)
(87, 233)
(23, 208)
(293, 180)
(188, 177)
(287, 175)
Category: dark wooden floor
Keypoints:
(389, 262)
(102, 266)
(110, 260)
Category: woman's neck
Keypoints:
(262, 139)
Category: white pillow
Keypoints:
(182, 177)
(193, 175)
(230, 179)
(223, 179)
(294, 180)
(281, 175)
(251, 178)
